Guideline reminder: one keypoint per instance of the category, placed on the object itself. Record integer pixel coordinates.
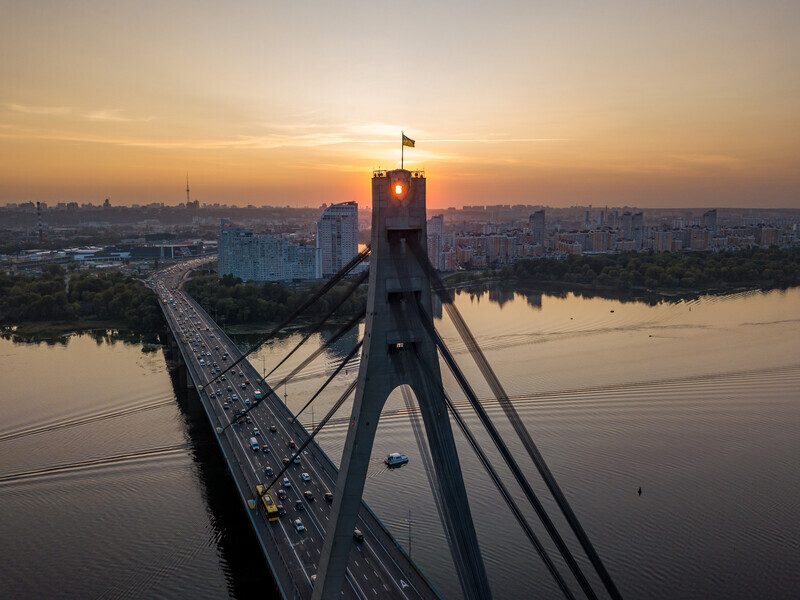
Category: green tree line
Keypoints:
(103, 295)
(765, 267)
(231, 302)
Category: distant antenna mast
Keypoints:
(187, 189)
(39, 220)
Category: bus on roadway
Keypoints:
(268, 503)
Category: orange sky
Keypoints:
(644, 104)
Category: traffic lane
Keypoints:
(212, 396)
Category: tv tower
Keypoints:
(187, 189)
(39, 221)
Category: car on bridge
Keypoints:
(268, 472)
(305, 476)
(298, 505)
(282, 494)
(328, 497)
(292, 444)
(286, 482)
(308, 495)
(358, 536)
(298, 525)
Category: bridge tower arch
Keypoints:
(394, 339)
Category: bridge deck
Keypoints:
(378, 567)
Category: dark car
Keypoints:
(328, 496)
(308, 495)
(268, 472)
(357, 535)
(282, 494)
(281, 510)
(273, 429)
(286, 460)
(298, 505)
(292, 444)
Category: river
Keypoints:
(111, 485)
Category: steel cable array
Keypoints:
(514, 418)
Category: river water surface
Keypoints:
(111, 485)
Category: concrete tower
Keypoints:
(394, 343)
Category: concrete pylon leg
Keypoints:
(393, 338)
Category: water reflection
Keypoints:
(246, 574)
(150, 341)
(344, 345)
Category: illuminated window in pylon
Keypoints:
(398, 189)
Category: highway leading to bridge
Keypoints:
(377, 566)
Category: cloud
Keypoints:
(114, 116)
(40, 110)
(709, 160)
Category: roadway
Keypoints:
(377, 567)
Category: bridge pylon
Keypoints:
(394, 338)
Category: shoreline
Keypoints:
(55, 329)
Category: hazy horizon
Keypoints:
(674, 105)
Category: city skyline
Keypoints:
(518, 103)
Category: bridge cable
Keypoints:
(338, 370)
(500, 486)
(317, 429)
(318, 325)
(426, 320)
(514, 418)
(271, 391)
(359, 258)
(509, 460)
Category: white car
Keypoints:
(298, 525)
(305, 476)
(286, 482)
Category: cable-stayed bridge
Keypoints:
(329, 544)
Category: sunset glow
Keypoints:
(673, 104)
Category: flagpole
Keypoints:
(402, 149)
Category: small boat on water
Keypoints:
(395, 459)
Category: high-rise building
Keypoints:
(710, 218)
(252, 257)
(537, 227)
(637, 223)
(436, 225)
(337, 236)
(435, 241)
(626, 224)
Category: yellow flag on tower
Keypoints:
(407, 141)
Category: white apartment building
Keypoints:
(252, 257)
